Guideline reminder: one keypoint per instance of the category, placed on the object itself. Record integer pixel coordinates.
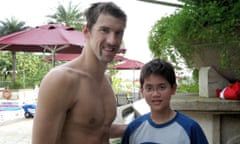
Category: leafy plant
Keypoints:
(30, 69)
(70, 15)
(211, 24)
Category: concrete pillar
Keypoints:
(209, 81)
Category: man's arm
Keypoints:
(51, 109)
(117, 130)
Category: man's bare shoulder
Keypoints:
(61, 83)
(65, 73)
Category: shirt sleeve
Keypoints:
(125, 138)
(132, 127)
(197, 135)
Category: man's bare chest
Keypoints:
(93, 109)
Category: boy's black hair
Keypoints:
(158, 67)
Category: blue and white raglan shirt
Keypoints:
(180, 130)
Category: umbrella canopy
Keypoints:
(119, 58)
(68, 57)
(45, 38)
(128, 64)
(62, 57)
(51, 38)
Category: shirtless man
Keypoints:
(76, 104)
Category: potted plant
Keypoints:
(204, 33)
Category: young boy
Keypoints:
(162, 125)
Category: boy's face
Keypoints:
(157, 92)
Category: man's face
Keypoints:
(106, 36)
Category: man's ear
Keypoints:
(141, 92)
(85, 30)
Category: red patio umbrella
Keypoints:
(119, 58)
(62, 57)
(129, 64)
(45, 38)
(68, 57)
(51, 38)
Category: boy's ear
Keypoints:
(174, 89)
(141, 91)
